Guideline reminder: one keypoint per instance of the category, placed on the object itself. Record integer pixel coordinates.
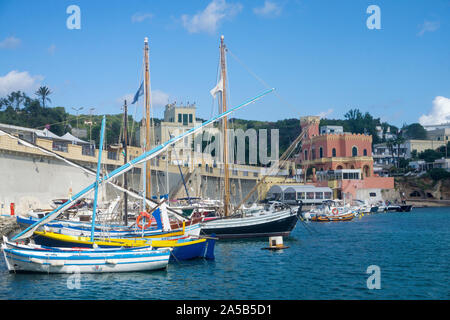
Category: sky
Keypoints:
(322, 57)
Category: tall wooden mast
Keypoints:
(148, 191)
(224, 128)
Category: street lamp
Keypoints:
(77, 110)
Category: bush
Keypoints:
(438, 174)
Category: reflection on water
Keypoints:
(323, 261)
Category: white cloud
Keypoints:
(324, 114)
(428, 26)
(23, 81)
(158, 98)
(139, 17)
(10, 43)
(269, 10)
(209, 19)
(440, 112)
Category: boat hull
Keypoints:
(84, 261)
(183, 248)
(264, 226)
(331, 218)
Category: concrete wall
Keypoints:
(32, 181)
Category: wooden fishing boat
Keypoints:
(183, 247)
(32, 258)
(77, 228)
(333, 218)
(263, 223)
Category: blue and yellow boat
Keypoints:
(184, 247)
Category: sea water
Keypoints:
(392, 255)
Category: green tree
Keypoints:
(414, 131)
(429, 155)
(43, 93)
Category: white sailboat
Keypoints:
(275, 219)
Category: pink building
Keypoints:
(342, 161)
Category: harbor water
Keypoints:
(410, 250)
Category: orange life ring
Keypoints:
(144, 215)
(335, 211)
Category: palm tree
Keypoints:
(43, 93)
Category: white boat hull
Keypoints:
(23, 258)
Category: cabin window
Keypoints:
(301, 195)
(319, 195)
(310, 195)
(333, 152)
(354, 151)
(327, 195)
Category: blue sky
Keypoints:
(319, 55)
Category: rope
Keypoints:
(265, 84)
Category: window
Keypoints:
(289, 196)
(313, 153)
(333, 152)
(320, 152)
(306, 154)
(354, 151)
(319, 195)
(310, 195)
(372, 194)
(60, 146)
(185, 119)
(112, 155)
(301, 195)
(179, 117)
(88, 150)
(365, 152)
(190, 118)
(327, 195)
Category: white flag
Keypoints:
(217, 88)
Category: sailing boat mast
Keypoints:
(224, 128)
(125, 160)
(148, 185)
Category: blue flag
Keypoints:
(139, 93)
